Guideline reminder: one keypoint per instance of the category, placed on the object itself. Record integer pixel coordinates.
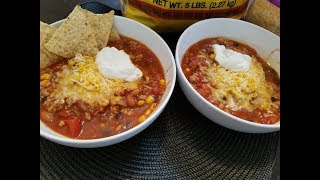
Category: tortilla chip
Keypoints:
(45, 61)
(46, 32)
(114, 35)
(75, 35)
(101, 25)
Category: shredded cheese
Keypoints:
(83, 81)
(236, 90)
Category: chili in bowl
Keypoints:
(79, 107)
(230, 72)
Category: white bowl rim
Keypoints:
(157, 112)
(179, 69)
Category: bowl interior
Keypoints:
(263, 41)
(152, 40)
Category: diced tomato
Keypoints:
(46, 116)
(74, 125)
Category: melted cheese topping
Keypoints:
(236, 90)
(83, 81)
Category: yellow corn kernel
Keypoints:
(115, 100)
(148, 112)
(188, 69)
(45, 76)
(142, 118)
(61, 123)
(236, 94)
(212, 56)
(105, 103)
(71, 62)
(44, 83)
(118, 128)
(264, 104)
(147, 78)
(162, 82)
(153, 106)
(141, 102)
(247, 103)
(200, 56)
(150, 99)
(87, 116)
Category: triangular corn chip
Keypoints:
(75, 35)
(45, 61)
(114, 35)
(46, 32)
(101, 25)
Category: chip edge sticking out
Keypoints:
(101, 25)
(46, 57)
(114, 35)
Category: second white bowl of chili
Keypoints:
(230, 72)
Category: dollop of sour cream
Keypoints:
(230, 59)
(116, 64)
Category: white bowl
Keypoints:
(144, 34)
(262, 40)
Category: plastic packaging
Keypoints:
(176, 15)
(265, 14)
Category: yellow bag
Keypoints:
(176, 15)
